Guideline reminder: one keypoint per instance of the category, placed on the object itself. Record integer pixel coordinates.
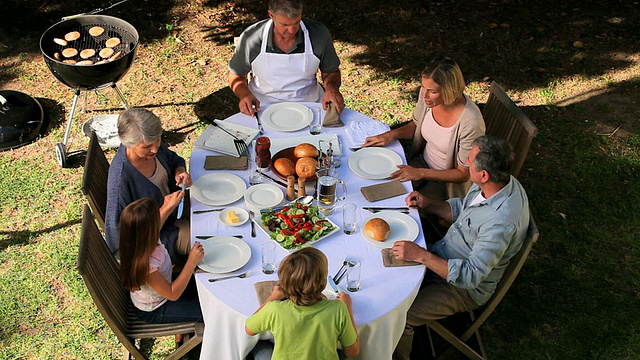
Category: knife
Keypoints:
(376, 208)
(255, 113)
(205, 237)
(333, 285)
(181, 205)
(274, 180)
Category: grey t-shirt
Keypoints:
(251, 40)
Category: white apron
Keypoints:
(285, 77)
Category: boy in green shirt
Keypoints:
(304, 324)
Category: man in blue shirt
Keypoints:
(488, 228)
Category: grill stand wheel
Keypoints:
(60, 149)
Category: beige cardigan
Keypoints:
(470, 125)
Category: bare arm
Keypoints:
(276, 294)
(354, 349)
(170, 202)
(172, 291)
(410, 251)
(403, 132)
(332, 82)
(240, 86)
(406, 173)
(437, 207)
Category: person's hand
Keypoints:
(247, 103)
(196, 254)
(407, 250)
(416, 200)
(184, 178)
(276, 293)
(333, 96)
(173, 199)
(379, 140)
(406, 173)
(345, 298)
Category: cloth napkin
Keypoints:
(332, 118)
(358, 131)
(383, 191)
(225, 162)
(390, 261)
(264, 289)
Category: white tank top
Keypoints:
(438, 138)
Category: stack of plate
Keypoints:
(263, 196)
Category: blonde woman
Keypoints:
(445, 124)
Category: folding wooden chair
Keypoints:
(99, 269)
(479, 316)
(505, 120)
(94, 181)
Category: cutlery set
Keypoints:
(241, 276)
(375, 209)
(346, 264)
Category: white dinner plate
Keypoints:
(223, 254)
(218, 188)
(403, 227)
(263, 196)
(374, 163)
(287, 116)
(242, 214)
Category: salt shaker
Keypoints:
(301, 190)
(291, 191)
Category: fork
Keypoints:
(241, 276)
(241, 146)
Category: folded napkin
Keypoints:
(225, 162)
(358, 131)
(390, 261)
(264, 289)
(216, 139)
(383, 191)
(332, 118)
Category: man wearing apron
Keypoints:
(283, 55)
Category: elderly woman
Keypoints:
(445, 124)
(144, 167)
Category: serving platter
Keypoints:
(287, 153)
(374, 163)
(287, 117)
(223, 254)
(262, 227)
(403, 227)
(218, 188)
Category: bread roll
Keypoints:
(285, 166)
(377, 229)
(306, 167)
(305, 150)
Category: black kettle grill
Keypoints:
(88, 77)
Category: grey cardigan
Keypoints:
(470, 125)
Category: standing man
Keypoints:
(283, 54)
(488, 228)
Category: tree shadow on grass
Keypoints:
(22, 237)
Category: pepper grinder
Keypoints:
(291, 191)
(301, 190)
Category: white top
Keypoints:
(147, 299)
(438, 137)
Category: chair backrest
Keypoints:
(94, 181)
(505, 120)
(100, 272)
(510, 274)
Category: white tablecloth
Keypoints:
(385, 294)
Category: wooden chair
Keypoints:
(505, 120)
(94, 181)
(100, 272)
(479, 316)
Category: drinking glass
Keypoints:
(353, 276)
(337, 152)
(268, 258)
(349, 218)
(255, 175)
(326, 188)
(315, 127)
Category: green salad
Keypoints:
(296, 225)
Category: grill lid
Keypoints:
(21, 119)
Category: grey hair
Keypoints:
(288, 8)
(495, 157)
(138, 125)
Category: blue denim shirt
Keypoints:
(483, 238)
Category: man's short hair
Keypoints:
(495, 157)
(288, 8)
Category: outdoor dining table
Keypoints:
(379, 306)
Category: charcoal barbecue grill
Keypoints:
(88, 77)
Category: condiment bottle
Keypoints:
(301, 190)
(291, 191)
